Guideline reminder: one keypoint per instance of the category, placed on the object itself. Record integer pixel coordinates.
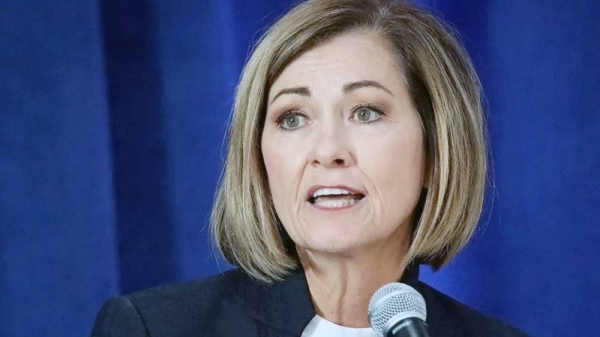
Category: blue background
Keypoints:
(112, 121)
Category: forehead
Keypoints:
(345, 58)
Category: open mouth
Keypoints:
(336, 201)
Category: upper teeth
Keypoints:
(330, 191)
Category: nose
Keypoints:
(330, 147)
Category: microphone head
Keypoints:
(394, 302)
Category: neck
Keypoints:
(341, 287)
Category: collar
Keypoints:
(287, 305)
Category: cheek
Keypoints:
(284, 174)
(282, 168)
(395, 166)
(274, 166)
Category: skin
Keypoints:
(348, 119)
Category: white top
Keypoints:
(320, 327)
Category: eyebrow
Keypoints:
(302, 91)
(346, 88)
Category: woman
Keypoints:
(356, 152)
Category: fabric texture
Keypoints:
(233, 304)
(320, 327)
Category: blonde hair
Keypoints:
(445, 90)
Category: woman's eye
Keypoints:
(366, 114)
(291, 121)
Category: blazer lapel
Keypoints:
(439, 320)
(282, 307)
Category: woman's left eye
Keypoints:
(366, 114)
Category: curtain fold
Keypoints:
(57, 219)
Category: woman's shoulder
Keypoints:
(177, 309)
(447, 314)
(221, 285)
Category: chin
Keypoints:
(335, 243)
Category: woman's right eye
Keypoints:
(291, 121)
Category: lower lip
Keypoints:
(338, 209)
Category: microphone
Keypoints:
(398, 310)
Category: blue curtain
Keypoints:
(112, 121)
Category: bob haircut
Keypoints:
(445, 90)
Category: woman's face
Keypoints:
(343, 147)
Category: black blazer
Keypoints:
(233, 304)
